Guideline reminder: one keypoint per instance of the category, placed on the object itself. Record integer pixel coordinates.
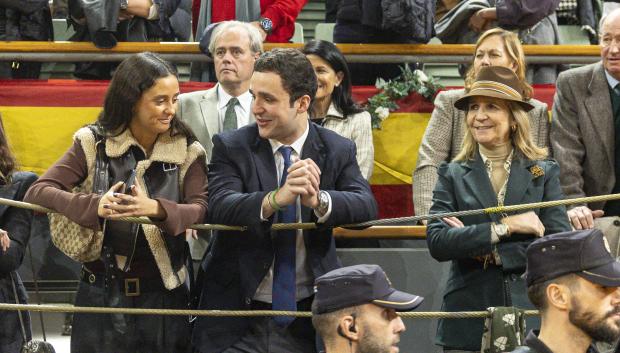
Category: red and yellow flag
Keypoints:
(41, 116)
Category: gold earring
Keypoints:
(514, 128)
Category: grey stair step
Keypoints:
(442, 70)
(314, 6)
(572, 34)
(61, 31)
(312, 16)
(451, 82)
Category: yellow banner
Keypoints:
(396, 147)
(39, 136)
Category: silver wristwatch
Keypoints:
(323, 203)
(501, 230)
(124, 4)
(266, 24)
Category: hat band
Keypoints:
(497, 87)
(395, 303)
(600, 276)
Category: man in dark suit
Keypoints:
(319, 181)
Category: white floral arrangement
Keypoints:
(381, 104)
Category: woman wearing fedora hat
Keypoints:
(444, 132)
(498, 164)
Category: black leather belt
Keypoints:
(131, 286)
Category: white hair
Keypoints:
(256, 40)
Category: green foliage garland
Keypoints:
(381, 104)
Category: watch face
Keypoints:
(266, 24)
(502, 230)
(323, 200)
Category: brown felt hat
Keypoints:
(497, 82)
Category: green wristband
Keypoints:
(272, 200)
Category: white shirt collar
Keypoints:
(611, 80)
(245, 99)
(297, 145)
(332, 111)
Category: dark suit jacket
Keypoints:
(466, 186)
(241, 173)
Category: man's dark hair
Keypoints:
(537, 293)
(294, 69)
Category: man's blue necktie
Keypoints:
(283, 290)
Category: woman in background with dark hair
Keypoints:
(333, 106)
(155, 168)
(15, 224)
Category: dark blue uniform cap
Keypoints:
(583, 252)
(357, 285)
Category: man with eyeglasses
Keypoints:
(585, 123)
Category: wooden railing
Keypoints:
(383, 232)
(352, 49)
(68, 51)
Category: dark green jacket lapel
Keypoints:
(519, 180)
(477, 180)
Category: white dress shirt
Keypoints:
(304, 280)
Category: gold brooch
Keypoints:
(537, 171)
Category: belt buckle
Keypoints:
(168, 167)
(132, 287)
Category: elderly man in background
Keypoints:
(274, 19)
(585, 123)
(234, 47)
